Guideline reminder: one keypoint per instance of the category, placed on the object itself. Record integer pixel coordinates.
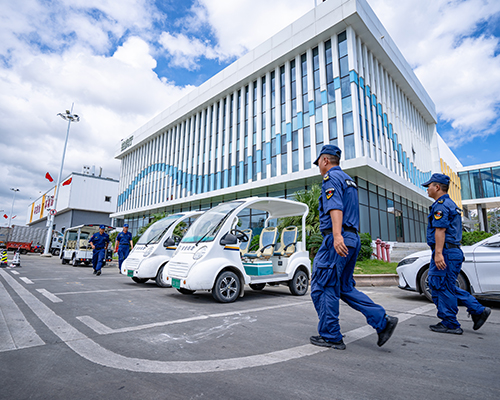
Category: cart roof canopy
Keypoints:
(277, 208)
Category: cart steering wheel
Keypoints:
(242, 236)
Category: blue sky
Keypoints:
(123, 63)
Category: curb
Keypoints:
(376, 280)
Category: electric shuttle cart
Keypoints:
(155, 248)
(214, 256)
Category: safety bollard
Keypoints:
(378, 242)
(382, 250)
(387, 248)
(3, 260)
(16, 261)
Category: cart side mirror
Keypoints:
(227, 239)
(169, 242)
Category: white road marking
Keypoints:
(14, 272)
(27, 281)
(100, 291)
(53, 298)
(15, 331)
(104, 330)
(95, 353)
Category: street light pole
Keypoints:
(12, 208)
(70, 117)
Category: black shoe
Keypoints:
(98, 273)
(95, 272)
(440, 328)
(321, 341)
(385, 335)
(480, 319)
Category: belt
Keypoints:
(326, 232)
(447, 246)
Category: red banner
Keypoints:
(5, 216)
(47, 176)
(67, 182)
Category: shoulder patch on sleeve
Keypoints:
(351, 183)
(329, 193)
(440, 201)
(438, 215)
(326, 177)
(459, 210)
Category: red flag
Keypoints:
(5, 216)
(14, 216)
(67, 182)
(47, 176)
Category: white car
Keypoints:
(480, 273)
(155, 248)
(214, 254)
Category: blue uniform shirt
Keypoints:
(338, 192)
(124, 238)
(100, 241)
(444, 213)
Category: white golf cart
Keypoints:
(214, 256)
(155, 248)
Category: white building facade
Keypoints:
(332, 77)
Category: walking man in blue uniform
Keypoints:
(444, 233)
(334, 263)
(99, 242)
(123, 244)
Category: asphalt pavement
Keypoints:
(66, 333)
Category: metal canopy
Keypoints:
(277, 208)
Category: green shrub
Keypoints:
(470, 238)
(366, 246)
(254, 243)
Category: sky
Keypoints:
(123, 62)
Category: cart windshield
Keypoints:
(205, 228)
(155, 232)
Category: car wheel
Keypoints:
(227, 287)
(185, 291)
(159, 278)
(257, 286)
(56, 252)
(140, 280)
(64, 261)
(299, 283)
(424, 285)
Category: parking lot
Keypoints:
(66, 333)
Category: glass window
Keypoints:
(374, 223)
(392, 227)
(464, 180)
(476, 187)
(363, 195)
(364, 219)
(495, 172)
(487, 180)
(373, 200)
(384, 228)
(332, 128)
(348, 123)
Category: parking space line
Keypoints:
(100, 291)
(53, 298)
(90, 350)
(14, 272)
(102, 329)
(15, 331)
(27, 281)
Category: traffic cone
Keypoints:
(3, 260)
(16, 262)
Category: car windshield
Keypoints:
(205, 228)
(155, 232)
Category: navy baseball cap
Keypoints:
(125, 226)
(102, 227)
(328, 149)
(437, 178)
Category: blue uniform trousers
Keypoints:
(98, 258)
(123, 251)
(333, 280)
(445, 293)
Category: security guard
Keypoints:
(444, 233)
(99, 242)
(123, 245)
(334, 263)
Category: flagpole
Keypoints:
(12, 208)
(70, 117)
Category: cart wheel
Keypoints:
(185, 291)
(64, 261)
(299, 283)
(227, 287)
(257, 286)
(159, 278)
(140, 280)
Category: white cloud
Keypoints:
(459, 70)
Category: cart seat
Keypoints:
(267, 242)
(245, 246)
(288, 242)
